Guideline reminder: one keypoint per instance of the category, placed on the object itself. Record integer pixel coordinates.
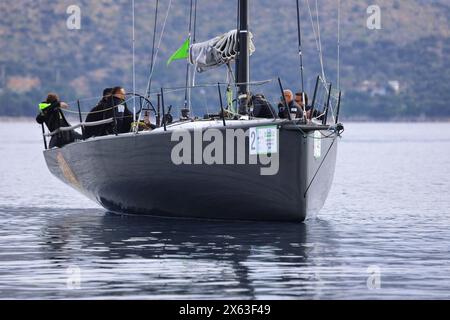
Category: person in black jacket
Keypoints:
(51, 114)
(96, 114)
(116, 108)
(262, 107)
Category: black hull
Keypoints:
(134, 174)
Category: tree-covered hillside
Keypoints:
(400, 71)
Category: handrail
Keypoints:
(161, 103)
(80, 125)
(43, 135)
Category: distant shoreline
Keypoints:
(4, 119)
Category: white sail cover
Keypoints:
(216, 52)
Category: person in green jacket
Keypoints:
(50, 113)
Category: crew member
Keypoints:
(96, 114)
(292, 107)
(50, 113)
(116, 107)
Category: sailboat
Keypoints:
(231, 165)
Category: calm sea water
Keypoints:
(384, 232)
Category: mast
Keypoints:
(243, 65)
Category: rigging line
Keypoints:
(320, 41)
(230, 74)
(153, 45)
(300, 53)
(191, 70)
(86, 99)
(187, 92)
(179, 89)
(332, 109)
(134, 60)
(334, 102)
(190, 18)
(339, 48)
(320, 166)
(316, 38)
(159, 43)
(312, 24)
(238, 24)
(94, 112)
(194, 40)
(156, 53)
(207, 85)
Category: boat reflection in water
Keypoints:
(163, 258)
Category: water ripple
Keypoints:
(386, 220)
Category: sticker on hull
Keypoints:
(317, 144)
(263, 140)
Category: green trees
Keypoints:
(410, 50)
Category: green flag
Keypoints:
(181, 53)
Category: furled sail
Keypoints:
(216, 52)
